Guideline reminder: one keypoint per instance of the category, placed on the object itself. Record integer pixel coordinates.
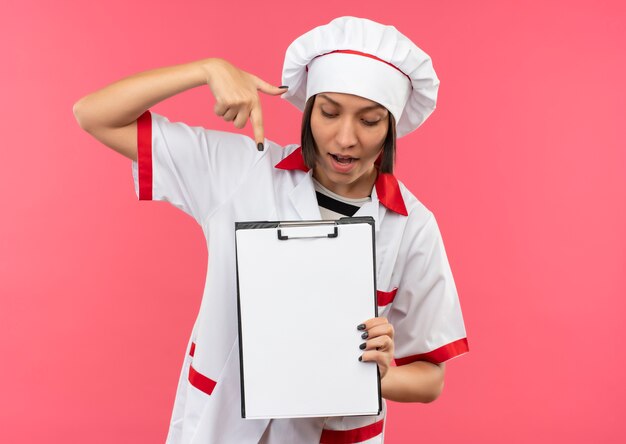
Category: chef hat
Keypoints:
(361, 57)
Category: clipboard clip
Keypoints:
(315, 233)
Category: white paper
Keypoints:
(300, 303)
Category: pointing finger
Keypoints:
(256, 118)
(272, 90)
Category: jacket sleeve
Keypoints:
(426, 313)
(193, 168)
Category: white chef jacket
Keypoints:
(219, 178)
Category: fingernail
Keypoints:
(361, 327)
(362, 346)
(283, 86)
(364, 335)
(361, 358)
(259, 147)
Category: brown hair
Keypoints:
(309, 149)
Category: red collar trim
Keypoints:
(388, 191)
(387, 186)
(294, 161)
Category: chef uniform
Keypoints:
(220, 177)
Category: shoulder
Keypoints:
(163, 127)
(278, 152)
(420, 230)
(221, 146)
(287, 160)
(418, 214)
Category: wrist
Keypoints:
(206, 68)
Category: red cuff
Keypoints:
(144, 155)
(353, 435)
(438, 355)
(200, 381)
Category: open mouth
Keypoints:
(345, 160)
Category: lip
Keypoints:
(342, 167)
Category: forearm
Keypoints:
(418, 381)
(122, 102)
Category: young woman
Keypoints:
(360, 85)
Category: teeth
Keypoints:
(342, 159)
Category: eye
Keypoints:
(368, 123)
(327, 115)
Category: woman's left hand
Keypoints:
(378, 333)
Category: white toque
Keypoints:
(358, 56)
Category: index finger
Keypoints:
(256, 119)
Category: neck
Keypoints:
(358, 189)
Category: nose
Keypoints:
(346, 136)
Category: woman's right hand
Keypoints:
(110, 114)
(236, 95)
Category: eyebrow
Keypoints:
(366, 108)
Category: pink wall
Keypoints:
(524, 164)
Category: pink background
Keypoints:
(523, 163)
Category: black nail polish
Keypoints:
(259, 147)
(361, 327)
(283, 86)
(365, 335)
(362, 346)
(361, 358)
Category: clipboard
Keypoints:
(302, 289)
